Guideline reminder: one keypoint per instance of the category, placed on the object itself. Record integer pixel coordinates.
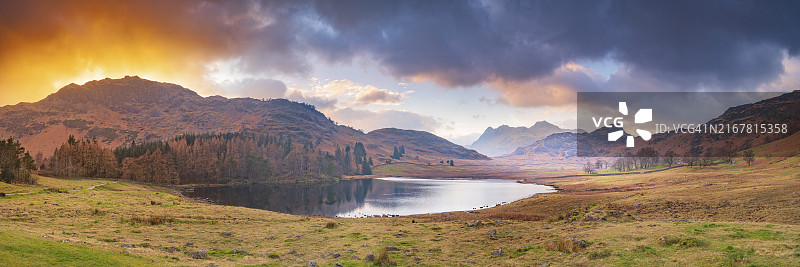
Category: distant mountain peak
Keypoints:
(543, 124)
(505, 139)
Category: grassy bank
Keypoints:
(648, 219)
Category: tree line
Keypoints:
(648, 157)
(209, 158)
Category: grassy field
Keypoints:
(720, 216)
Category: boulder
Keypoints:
(497, 253)
(198, 255)
(492, 232)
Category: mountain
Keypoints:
(119, 111)
(504, 140)
(783, 109)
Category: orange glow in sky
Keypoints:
(47, 45)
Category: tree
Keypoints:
(396, 154)
(83, 158)
(587, 168)
(727, 153)
(402, 150)
(669, 158)
(598, 164)
(256, 167)
(16, 164)
(365, 168)
(451, 163)
(647, 157)
(708, 157)
(749, 157)
(619, 164)
(692, 156)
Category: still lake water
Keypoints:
(378, 196)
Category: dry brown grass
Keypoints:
(517, 216)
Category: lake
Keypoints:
(377, 196)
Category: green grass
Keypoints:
(17, 249)
(762, 234)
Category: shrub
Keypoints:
(669, 240)
(152, 219)
(384, 259)
(98, 212)
(689, 242)
(644, 249)
(55, 190)
(568, 244)
(331, 225)
(686, 242)
(599, 254)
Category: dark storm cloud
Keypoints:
(735, 45)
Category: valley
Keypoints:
(662, 218)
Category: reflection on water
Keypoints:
(366, 197)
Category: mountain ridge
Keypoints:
(119, 111)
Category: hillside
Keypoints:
(504, 140)
(119, 111)
(555, 145)
(420, 143)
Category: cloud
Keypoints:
(379, 96)
(556, 89)
(385, 118)
(351, 94)
(321, 103)
(517, 47)
(256, 88)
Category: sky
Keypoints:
(449, 67)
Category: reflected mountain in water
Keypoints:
(367, 197)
